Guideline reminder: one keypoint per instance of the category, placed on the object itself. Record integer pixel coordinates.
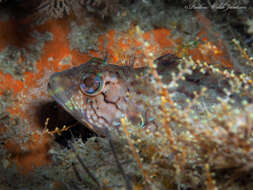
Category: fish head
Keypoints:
(96, 94)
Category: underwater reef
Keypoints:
(197, 90)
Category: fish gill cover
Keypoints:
(199, 95)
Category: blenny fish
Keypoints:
(99, 94)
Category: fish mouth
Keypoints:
(56, 89)
(63, 85)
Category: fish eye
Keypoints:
(91, 84)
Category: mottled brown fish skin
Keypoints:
(73, 90)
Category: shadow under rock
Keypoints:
(58, 117)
